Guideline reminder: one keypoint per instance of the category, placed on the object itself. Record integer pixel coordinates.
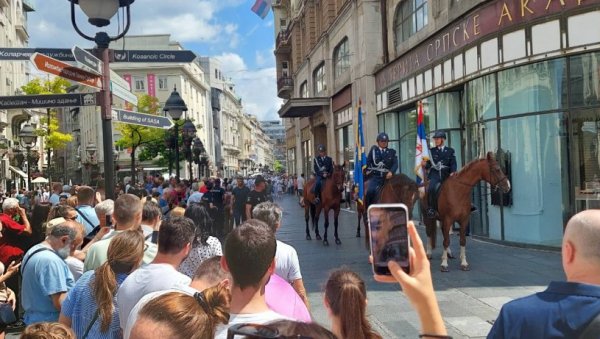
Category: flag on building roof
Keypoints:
(262, 8)
(360, 159)
(422, 151)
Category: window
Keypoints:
(341, 58)
(140, 84)
(319, 79)
(285, 70)
(411, 17)
(304, 90)
(163, 84)
(217, 73)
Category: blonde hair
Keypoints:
(72, 201)
(48, 331)
(177, 212)
(125, 253)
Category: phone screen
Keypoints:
(389, 236)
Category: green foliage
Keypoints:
(54, 139)
(278, 167)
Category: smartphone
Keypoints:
(389, 236)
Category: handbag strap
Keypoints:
(592, 329)
(89, 327)
(31, 255)
(85, 218)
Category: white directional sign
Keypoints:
(115, 78)
(123, 93)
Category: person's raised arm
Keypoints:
(25, 221)
(418, 287)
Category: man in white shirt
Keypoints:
(250, 258)
(300, 182)
(174, 243)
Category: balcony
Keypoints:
(285, 87)
(283, 42)
(21, 27)
(28, 6)
(303, 107)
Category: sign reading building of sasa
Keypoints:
(141, 119)
(48, 100)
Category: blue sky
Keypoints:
(226, 29)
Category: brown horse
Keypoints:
(331, 197)
(455, 204)
(398, 189)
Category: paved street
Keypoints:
(470, 301)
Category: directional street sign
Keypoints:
(61, 54)
(154, 56)
(49, 65)
(87, 59)
(48, 100)
(141, 119)
(123, 93)
(116, 79)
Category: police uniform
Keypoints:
(380, 161)
(440, 166)
(321, 166)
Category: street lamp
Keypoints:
(188, 132)
(28, 138)
(200, 156)
(175, 106)
(99, 13)
(91, 151)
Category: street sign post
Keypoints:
(154, 56)
(48, 100)
(88, 60)
(49, 65)
(141, 119)
(123, 93)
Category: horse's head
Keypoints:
(339, 176)
(497, 178)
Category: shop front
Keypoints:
(527, 89)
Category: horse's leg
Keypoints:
(445, 226)
(326, 218)
(358, 224)
(316, 222)
(306, 217)
(463, 242)
(336, 213)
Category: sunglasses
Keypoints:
(258, 331)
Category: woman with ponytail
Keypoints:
(176, 315)
(346, 302)
(89, 308)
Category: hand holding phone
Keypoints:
(389, 237)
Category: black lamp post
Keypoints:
(200, 156)
(99, 13)
(175, 106)
(28, 138)
(188, 131)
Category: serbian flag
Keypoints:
(262, 8)
(360, 159)
(422, 151)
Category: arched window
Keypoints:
(319, 82)
(410, 17)
(341, 58)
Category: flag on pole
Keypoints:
(422, 151)
(262, 7)
(360, 159)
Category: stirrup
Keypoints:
(317, 201)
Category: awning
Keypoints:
(302, 107)
(18, 171)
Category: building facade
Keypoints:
(275, 130)
(326, 53)
(517, 78)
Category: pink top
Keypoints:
(283, 299)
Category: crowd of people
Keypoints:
(171, 259)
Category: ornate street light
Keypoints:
(175, 106)
(91, 151)
(99, 13)
(28, 138)
(188, 132)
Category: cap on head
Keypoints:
(439, 134)
(259, 179)
(321, 148)
(382, 137)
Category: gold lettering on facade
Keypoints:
(476, 29)
(524, 7)
(429, 56)
(506, 13)
(465, 27)
(456, 29)
(562, 3)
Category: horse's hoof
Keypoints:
(318, 237)
(308, 237)
(444, 269)
(358, 234)
(325, 242)
(338, 241)
(450, 256)
(465, 267)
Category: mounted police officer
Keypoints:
(382, 163)
(441, 166)
(323, 167)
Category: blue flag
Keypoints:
(360, 159)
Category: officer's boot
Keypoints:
(431, 203)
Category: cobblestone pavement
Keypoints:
(470, 301)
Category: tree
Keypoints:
(53, 138)
(134, 136)
(278, 167)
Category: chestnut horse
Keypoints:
(454, 204)
(398, 189)
(331, 197)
